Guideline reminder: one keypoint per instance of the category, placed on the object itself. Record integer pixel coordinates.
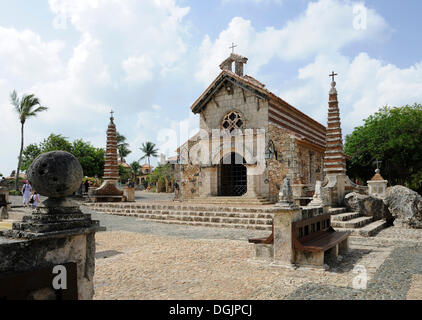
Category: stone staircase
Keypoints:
(359, 225)
(193, 214)
(231, 200)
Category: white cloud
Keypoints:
(144, 34)
(279, 2)
(364, 85)
(138, 69)
(325, 27)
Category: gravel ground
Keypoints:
(136, 259)
(140, 260)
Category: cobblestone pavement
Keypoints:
(143, 260)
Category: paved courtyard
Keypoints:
(146, 260)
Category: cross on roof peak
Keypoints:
(378, 162)
(111, 114)
(332, 75)
(232, 47)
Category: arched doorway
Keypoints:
(232, 176)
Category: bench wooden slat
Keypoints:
(325, 241)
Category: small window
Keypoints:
(300, 231)
(306, 230)
(323, 224)
(318, 226)
(328, 223)
(313, 227)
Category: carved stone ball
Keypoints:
(55, 174)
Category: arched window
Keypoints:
(232, 121)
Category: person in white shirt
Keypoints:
(26, 192)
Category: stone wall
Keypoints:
(301, 162)
(254, 110)
(191, 181)
(25, 255)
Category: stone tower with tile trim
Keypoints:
(111, 165)
(334, 159)
(108, 191)
(336, 182)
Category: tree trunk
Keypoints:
(20, 159)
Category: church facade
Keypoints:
(249, 141)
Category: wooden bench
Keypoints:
(311, 238)
(316, 234)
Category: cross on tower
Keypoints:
(111, 113)
(232, 47)
(332, 75)
(377, 162)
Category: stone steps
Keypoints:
(352, 223)
(335, 211)
(345, 216)
(359, 225)
(220, 220)
(212, 216)
(232, 200)
(369, 230)
(214, 225)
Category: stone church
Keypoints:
(249, 140)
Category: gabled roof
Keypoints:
(248, 83)
(245, 82)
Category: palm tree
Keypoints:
(149, 150)
(135, 170)
(122, 147)
(26, 107)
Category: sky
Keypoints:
(149, 60)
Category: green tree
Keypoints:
(393, 136)
(124, 174)
(135, 170)
(26, 107)
(161, 174)
(91, 158)
(149, 151)
(56, 142)
(29, 154)
(122, 147)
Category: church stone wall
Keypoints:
(191, 180)
(254, 110)
(301, 163)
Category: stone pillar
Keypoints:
(283, 241)
(377, 185)
(209, 183)
(287, 213)
(129, 193)
(251, 182)
(56, 234)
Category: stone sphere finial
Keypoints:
(55, 174)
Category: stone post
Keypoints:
(251, 179)
(56, 234)
(377, 185)
(287, 213)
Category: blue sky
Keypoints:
(149, 60)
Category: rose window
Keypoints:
(232, 121)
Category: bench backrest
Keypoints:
(312, 226)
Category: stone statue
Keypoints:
(317, 199)
(286, 195)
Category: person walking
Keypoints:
(35, 199)
(86, 184)
(26, 192)
(176, 191)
